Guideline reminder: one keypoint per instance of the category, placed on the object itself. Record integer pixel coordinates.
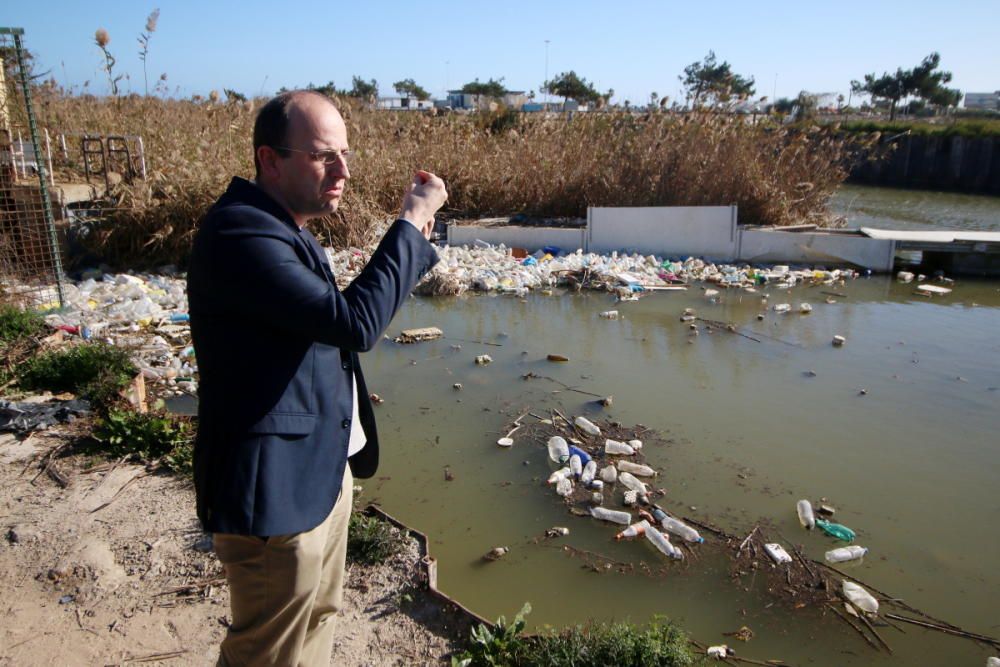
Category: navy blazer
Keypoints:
(277, 345)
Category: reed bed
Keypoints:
(494, 163)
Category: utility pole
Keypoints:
(774, 91)
(546, 74)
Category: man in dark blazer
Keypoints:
(284, 417)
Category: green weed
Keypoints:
(93, 370)
(17, 324)
(151, 435)
(371, 541)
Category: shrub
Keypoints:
(95, 370)
(660, 644)
(17, 324)
(371, 541)
(151, 435)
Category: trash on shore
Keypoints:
(557, 357)
(410, 336)
(496, 553)
(836, 530)
(29, 416)
(777, 553)
(931, 290)
(483, 359)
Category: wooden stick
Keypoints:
(942, 628)
(480, 342)
(712, 529)
(119, 492)
(874, 632)
(744, 543)
(856, 627)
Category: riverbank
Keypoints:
(111, 568)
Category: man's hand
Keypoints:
(424, 196)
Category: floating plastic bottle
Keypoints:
(587, 426)
(564, 486)
(635, 530)
(589, 470)
(562, 473)
(616, 447)
(631, 482)
(558, 449)
(609, 474)
(777, 553)
(860, 598)
(680, 529)
(597, 485)
(806, 516)
(635, 444)
(992, 662)
(604, 514)
(843, 554)
(631, 498)
(662, 542)
(636, 469)
(576, 466)
(836, 530)
(584, 456)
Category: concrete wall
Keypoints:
(765, 246)
(669, 231)
(530, 238)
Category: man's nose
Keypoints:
(340, 167)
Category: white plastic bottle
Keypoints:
(564, 486)
(661, 542)
(609, 474)
(614, 516)
(634, 530)
(992, 662)
(860, 598)
(589, 470)
(587, 426)
(616, 447)
(806, 516)
(576, 466)
(681, 530)
(635, 444)
(636, 469)
(631, 482)
(558, 449)
(842, 554)
(559, 474)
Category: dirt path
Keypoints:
(114, 570)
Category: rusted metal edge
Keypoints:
(428, 565)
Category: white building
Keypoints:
(404, 104)
(990, 101)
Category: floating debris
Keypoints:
(557, 357)
(483, 359)
(409, 336)
(496, 553)
(838, 341)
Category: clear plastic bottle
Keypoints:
(564, 486)
(559, 474)
(677, 527)
(843, 554)
(662, 542)
(635, 444)
(587, 426)
(616, 447)
(589, 470)
(806, 516)
(635, 530)
(558, 449)
(636, 469)
(860, 598)
(631, 482)
(576, 466)
(609, 474)
(614, 516)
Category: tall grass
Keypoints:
(493, 164)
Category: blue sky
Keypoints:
(633, 47)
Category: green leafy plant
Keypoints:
(151, 435)
(499, 645)
(371, 541)
(95, 370)
(17, 324)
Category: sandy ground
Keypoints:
(113, 569)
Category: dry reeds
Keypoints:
(494, 164)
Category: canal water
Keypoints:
(897, 430)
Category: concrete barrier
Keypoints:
(815, 248)
(530, 238)
(668, 231)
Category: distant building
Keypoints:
(404, 104)
(514, 99)
(984, 101)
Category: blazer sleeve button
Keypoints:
(346, 423)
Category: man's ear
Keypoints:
(268, 159)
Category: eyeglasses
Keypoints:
(327, 157)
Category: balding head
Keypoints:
(282, 114)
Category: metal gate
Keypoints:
(31, 256)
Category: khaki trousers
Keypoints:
(285, 591)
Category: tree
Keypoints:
(493, 89)
(713, 82)
(363, 90)
(330, 90)
(570, 86)
(409, 88)
(923, 81)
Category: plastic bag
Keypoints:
(836, 530)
